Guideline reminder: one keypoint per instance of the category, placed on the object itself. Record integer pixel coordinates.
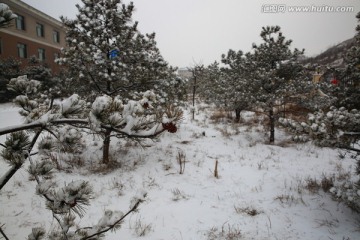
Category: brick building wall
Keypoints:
(36, 33)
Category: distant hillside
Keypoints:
(333, 56)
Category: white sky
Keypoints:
(199, 31)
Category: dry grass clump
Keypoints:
(314, 186)
(247, 210)
(220, 115)
(225, 233)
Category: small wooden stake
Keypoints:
(216, 174)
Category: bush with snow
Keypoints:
(337, 127)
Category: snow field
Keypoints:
(268, 179)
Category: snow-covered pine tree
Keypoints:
(236, 82)
(132, 118)
(348, 91)
(107, 55)
(273, 71)
(195, 84)
(6, 15)
(207, 84)
(40, 115)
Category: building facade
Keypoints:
(32, 33)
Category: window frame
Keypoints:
(20, 22)
(56, 36)
(23, 53)
(40, 30)
(41, 54)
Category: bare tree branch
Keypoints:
(2, 233)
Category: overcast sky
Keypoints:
(199, 31)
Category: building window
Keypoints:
(41, 54)
(22, 51)
(40, 30)
(20, 22)
(56, 36)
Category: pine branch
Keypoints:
(94, 81)
(352, 133)
(132, 86)
(61, 225)
(38, 125)
(14, 169)
(133, 209)
(51, 132)
(351, 149)
(119, 131)
(81, 122)
(2, 233)
(8, 175)
(51, 104)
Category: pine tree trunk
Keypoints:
(237, 114)
(106, 147)
(193, 98)
(272, 125)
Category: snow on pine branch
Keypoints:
(23, 85)
(72, 106)
(327, 128)
(135, 118)
(6, 15)
(112, 219)
(72, 197)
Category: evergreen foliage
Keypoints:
(274, 72)
(9, 68)
(6, 15)
(348, 91)
(107, 54)
(124, 88)
(236, 79)
(263, 80)
(338, 127)
(139, 118)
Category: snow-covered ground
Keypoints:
(259, 193)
